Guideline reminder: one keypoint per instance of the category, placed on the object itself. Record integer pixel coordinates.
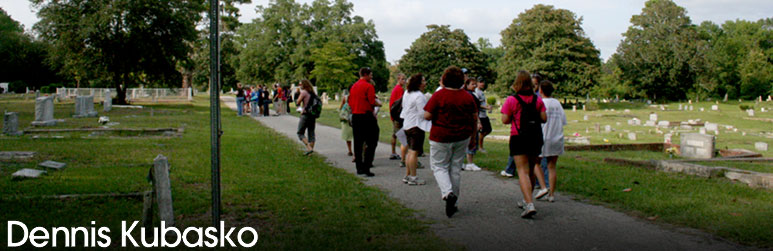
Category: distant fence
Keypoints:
(132, 94)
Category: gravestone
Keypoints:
(632, 136)
(53, 165)
(701, 109)
(585, 117)
(598, 127)
(650, 123)
(714, 107)
(654, 117)
(574, 108)
(11, 124)
(28, 173)
(325, 99)
(578, 140)
(17, 155)
(698, 146)
(725, 99)
(190, 94)
(680, 107)
(608, 128)
(44, 112)
(689, 101)
(761, 146)
(702, 130)
(750, 112)
(663, 123)
(163, 189)
(710, 126)
(762, 109)
(627, 111)
(691, 108)
(108, 102)
(667, 138)
(84, 107)
(37, 94)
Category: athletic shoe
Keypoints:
(505, 174)
(420, 166)
(369, 174)
(471, 167)
(451, 205)
(406, 179)
(551, 199)
(521, 203)
(482, 150)
(528, 211)
(308, 153)
(415, 181)
(394, 156)
(540, 193)
(402, 163)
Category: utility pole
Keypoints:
(214, 105)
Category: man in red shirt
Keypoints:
(397, 93)
(362, 100)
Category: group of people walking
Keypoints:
(456, 118)
(256, 99)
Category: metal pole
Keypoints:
(214, 104)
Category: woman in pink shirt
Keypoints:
(525, 112)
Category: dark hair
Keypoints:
(365, 71)
(453, 77)
(469, 81)
(414, 83)
(547, 87)
(522, 81)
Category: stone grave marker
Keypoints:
(598, 127)
(650, 123)
(654, 117)
(585, 117)
(725, 99)
(698, 146)
(53, 165)
(701, 109)
(44, 112)
(108, 102)
(689, 101)
(17, 155)
(667, 138)
(608, 128)
(28, 173)
(84, 107)
(578, 140)
(762, 109)
(632, 136)
(663, 123)
(714, 107)
(702, 130)
(37, 94)
(11, 124)
(190, 94)
(691, 108)
(163, 189)
(761, 146)
(634, 121)
(750, 112)
(574, 108)
(711, 126)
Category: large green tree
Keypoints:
(493, 55)
(550, 42)
(22, 58)
(661, 54)
(279, 45)
(119, 42)
(439, 48)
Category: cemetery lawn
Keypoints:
(718, 206)
(294, 201)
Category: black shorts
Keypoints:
(397, 124)
(415, 139)
(486, 124)
(526, 145)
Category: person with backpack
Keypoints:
(308, 99)
(254, 100)
(394, 114)
(524, 112)
(454, 116)
(345, 116)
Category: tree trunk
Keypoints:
(120, 98)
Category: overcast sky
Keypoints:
(400, 22)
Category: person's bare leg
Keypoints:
(480, 140)
(311, 146)
(306, 143)
(349, 146)
(522, 165)
(394, 142)
(552, 160)
(403, 152)
(470, 158)
(538, 172)
(412, 162)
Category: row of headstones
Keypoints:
(30, 173)
(44, 113)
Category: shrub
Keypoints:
(491, 100)
(745, 107)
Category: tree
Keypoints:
(661, 54)
(439, 48)
(333, 66)
(22, 58)
(493, 55)
(550, 42)
(120, 42)
(278, 46)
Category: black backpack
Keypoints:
(396, 109)
(531, 123)
(314, 107)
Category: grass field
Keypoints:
(295, 202)
(719, 206)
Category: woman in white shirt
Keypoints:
(414, 125)
(552, 132)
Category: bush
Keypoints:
(45, 89)
(491, 100)
(745, 107)
(591, 106)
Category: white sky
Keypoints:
(400, 22)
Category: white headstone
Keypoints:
(627, 111)
(578, 140)
(680, 107)
(663, 123)
(84, 107)
(761, 146)
(28, 173)
(53, 165)
(667, 138)
(691, 108)
(44, 112)
(163, 189)
(762, 109)
(701, 109)
(574, 108)
(585, 117)
(702, 130)
(662, 107)
(710, 126)
(190, 94)
(654, 117)
(11, 124)
(634, 121)
(608, 128)
(714, 107)
(632, 136)
(108, 102)
(650, 123)
(697, 146)
(750, 112)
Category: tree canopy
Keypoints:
(22, 58)
(120, 42)
(550, 42)
(286, 42)
(439, 48)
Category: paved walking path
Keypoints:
(488, 218)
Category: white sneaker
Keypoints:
(528, 211)
(482, 150)
(551, 199)
(520, 204)
(540, 193)
(406, 179)
(505, 174)
(472, 167)
(415, 181)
